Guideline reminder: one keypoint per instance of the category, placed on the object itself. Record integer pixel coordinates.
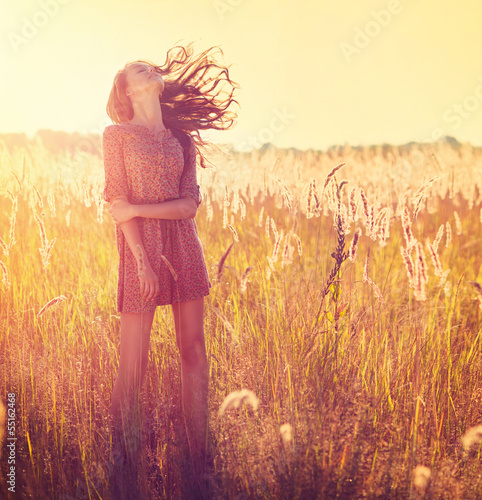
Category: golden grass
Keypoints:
(360, 353)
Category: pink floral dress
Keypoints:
(149, 168)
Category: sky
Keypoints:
(312, 74)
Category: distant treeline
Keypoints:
(60, 141)
(55, 141)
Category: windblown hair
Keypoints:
(191, 100)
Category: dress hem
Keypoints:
(152, 307)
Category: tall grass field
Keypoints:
(343, 328)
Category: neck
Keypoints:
(148, 112)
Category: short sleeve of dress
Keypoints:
(189, 188)
(115, 173)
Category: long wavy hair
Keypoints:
(198, 95)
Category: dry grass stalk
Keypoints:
(50, 304)
(373, 285)
(86, 193)
(366, 210)
(443, 280)
(209, 209)
(331, 174)
(51, 202)
(458, 223)
(384, 233)
(221, 316)
(410, 240)
(225, 216)
(372, 224)
(288, 251)
(421, 262)
(243, 281)
(235, 204)
(309, 210)
(435, 259)
(331, 196)
(235, 234)
(274, 255)
(236, 398)
(39, 198)
(270, 267)
(273, 228)
(354, 244)
(478, 289)
(4, 247)
(223, 260)
(440, 233)
(421, 276)
(20, 184)
(242, 206)
(169, 266)
(298, 242)
(407, 260)
(225, 207)
(260, 217)
(5, 280)
(47, 245)
(448, 234)
(342, 212)
(13, 220)
(317, 207)
(420, 196)
(286, 193)
(353, 206)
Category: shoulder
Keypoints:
(113, 134)
(113, 129)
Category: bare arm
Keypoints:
(181, 208)
(117, 189)
(149, 283)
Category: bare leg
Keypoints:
(188, 320)
(134, 353)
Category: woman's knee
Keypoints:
(193, 353)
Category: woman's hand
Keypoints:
(122, 211)
(149, 284)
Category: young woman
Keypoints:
(150, 182)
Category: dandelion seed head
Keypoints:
(237, 398)
(421, 477)
(472, 437)
(286, 432)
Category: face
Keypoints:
(142, 78)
